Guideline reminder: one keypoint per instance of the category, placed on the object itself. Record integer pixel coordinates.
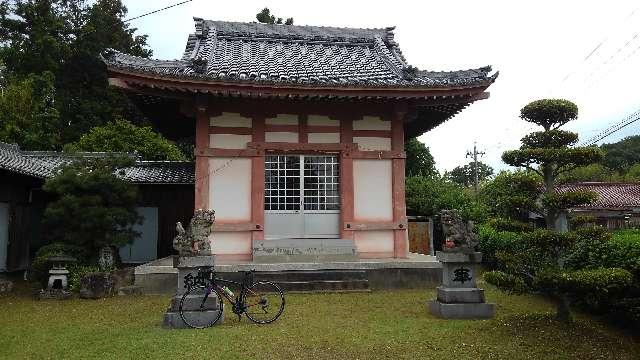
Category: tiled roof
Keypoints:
(221, 51)
(610, 195)
(43, 164)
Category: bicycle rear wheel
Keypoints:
(200, 309)
(264, 302)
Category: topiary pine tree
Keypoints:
(537, 263)
(93, 206)
(550, 153)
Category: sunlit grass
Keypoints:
(377, 325)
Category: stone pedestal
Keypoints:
(189, 265)
(458, 296)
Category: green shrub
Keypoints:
(492, 241)
(40, 266)
(506, 282)
(596, 248)
(502, 224)
(594, 288)
(77, 272)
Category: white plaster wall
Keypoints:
(374, 241)
(323, 138)
(230, 189)
(283, 119)
(230, 120)
(371, 123)
(229, 141)
(227, 242)
(288, 137)
(372, 143)
(372, 190)
(320, 120)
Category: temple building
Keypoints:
(299, 130)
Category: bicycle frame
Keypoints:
(238, 303)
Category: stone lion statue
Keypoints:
(458, 233)
(195, 240)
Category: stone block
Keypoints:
(172, 319)
(97, 285)
(131, 290)
(458, 257)
(462, 310)
(459, 275)
(464, 295)
(193, 261)
(6, 286)
(192, 302)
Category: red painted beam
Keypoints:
(202, 181)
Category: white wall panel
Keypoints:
(229, 141)
(375, 241)
(372, 143)
(283, 119)
(372, 195)
(323, 138)
(227, 242)
(230, 120)
(230, 189)
(371, 123)
(319, 120)
(288, 137)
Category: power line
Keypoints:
(596, 48)
(157, 11)
(614, 128)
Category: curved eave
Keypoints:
(175, 87)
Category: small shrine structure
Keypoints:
(299, 132)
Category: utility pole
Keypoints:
(474, 155)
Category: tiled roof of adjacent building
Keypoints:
(236, 52)
(43, 164)
(610, 195)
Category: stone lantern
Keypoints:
(58, 284)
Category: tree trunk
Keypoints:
(563, 311)
(551, 215)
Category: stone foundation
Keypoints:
(458, 296)
(189, 265)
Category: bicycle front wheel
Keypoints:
(200, 307)
(264, 302)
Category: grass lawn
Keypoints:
(376, 325)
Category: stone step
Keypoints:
(311, 275)
(324, 285)
(131, 290)
(304, 250)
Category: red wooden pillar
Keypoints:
(303, 136)
(257, 182)
(202, 180)
(400, 241)
(346, 180)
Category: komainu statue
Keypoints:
(195, 240)
(458, 233)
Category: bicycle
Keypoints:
(262, 302)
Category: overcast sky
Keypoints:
(542, 49)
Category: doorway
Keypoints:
(4, 235)
(302, 196)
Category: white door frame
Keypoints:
(302, 197)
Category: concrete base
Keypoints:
(415, 272)
(172, 319)
(462, 310)
(303, 250)
(189, 265)
(454, 295)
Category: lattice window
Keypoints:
(321, 181)
(282, 183)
